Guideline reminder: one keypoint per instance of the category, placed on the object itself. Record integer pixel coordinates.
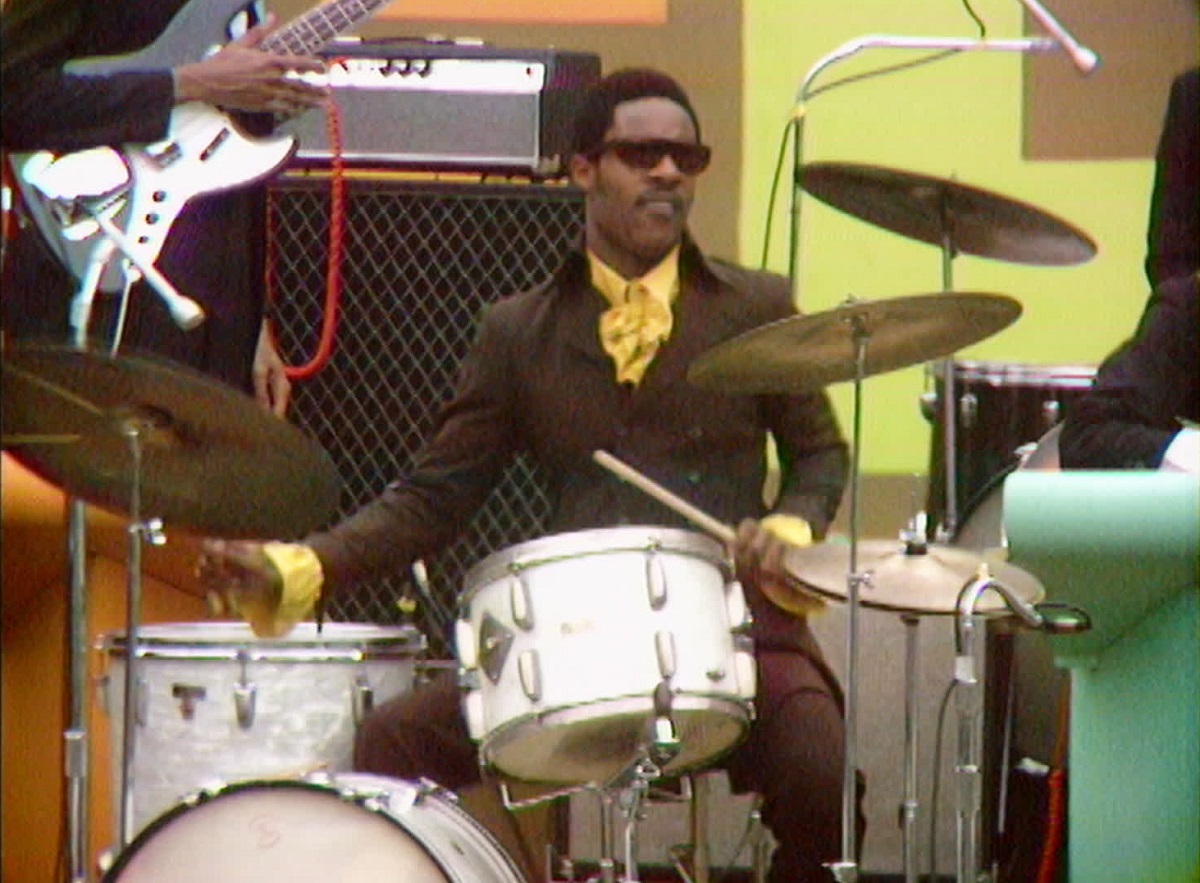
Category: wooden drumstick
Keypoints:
(698, 517)
(790, 596)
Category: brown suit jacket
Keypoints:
(537, 380)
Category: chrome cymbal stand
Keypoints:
(134, 690)
(942, 47)
(76, 736)
(55, 179)
(949, 526)
(846, 869)
(910, 808)
(1055, 619)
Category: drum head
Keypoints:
(982, 528)
(302, 832)
(598, 741)
(261, 833)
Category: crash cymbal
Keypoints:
(808, 352)
(928, 209)
(212, 460)
(898, 578)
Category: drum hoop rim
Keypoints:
(581, 543)
(340, 786)
(508, 733)
(202, 640)
(1067, 375)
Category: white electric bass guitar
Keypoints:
(204, 151)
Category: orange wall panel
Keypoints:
(565, 12)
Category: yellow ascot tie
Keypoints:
(632, 332)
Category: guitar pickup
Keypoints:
(163, 153)
(215, 144)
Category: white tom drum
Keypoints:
(563, 642)
(216, 704)
(353, 828)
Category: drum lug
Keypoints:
(664, 647)
(745, 673)
(188, 695)
(968, 410)
(928, 405)
(656, 579)
(531, 675)
(362, 699)
(141, 690)
(494, 643)
(103, 686)
(1051, 414)
(735, 604)
(245, 695)
(473, 711)
(245, 698)
(464, 644)
(521, 602)
(468, 679)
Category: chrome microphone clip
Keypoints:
(1084, 59)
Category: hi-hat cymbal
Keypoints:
(942, 211)
(211, 459)
(901, 579)
(804, 353)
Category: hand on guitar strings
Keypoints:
(246, 75)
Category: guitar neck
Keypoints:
(312, 30)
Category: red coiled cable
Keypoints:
(333, 271)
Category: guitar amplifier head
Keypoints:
(436, 105)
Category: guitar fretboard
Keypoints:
(312, 30)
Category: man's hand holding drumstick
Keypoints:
(757, 547)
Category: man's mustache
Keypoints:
(670, 196)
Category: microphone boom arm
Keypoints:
(852, 48)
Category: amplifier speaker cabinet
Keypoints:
(421, 259)
(441, 105)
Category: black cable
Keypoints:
(775, 179)
(742, 843)
(793, 125)
(978, 21)
(937, 771)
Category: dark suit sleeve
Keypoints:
(813, 455)
(1142, 390)
(1173, 232)
(450, 479)
(41, 107)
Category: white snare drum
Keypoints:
(353, 828)
(217, 704)
(563, 641)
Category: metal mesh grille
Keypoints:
(420, 260)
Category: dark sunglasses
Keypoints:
(691, 159)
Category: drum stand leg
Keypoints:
(76, 737)
(134, 693)
(911, 802)
(629, 798)
(949, 526)
(845, 870)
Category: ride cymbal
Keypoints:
(211, 459)
(941, 211)
(906, 579)
(804, 353)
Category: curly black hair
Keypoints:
(595, 115)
